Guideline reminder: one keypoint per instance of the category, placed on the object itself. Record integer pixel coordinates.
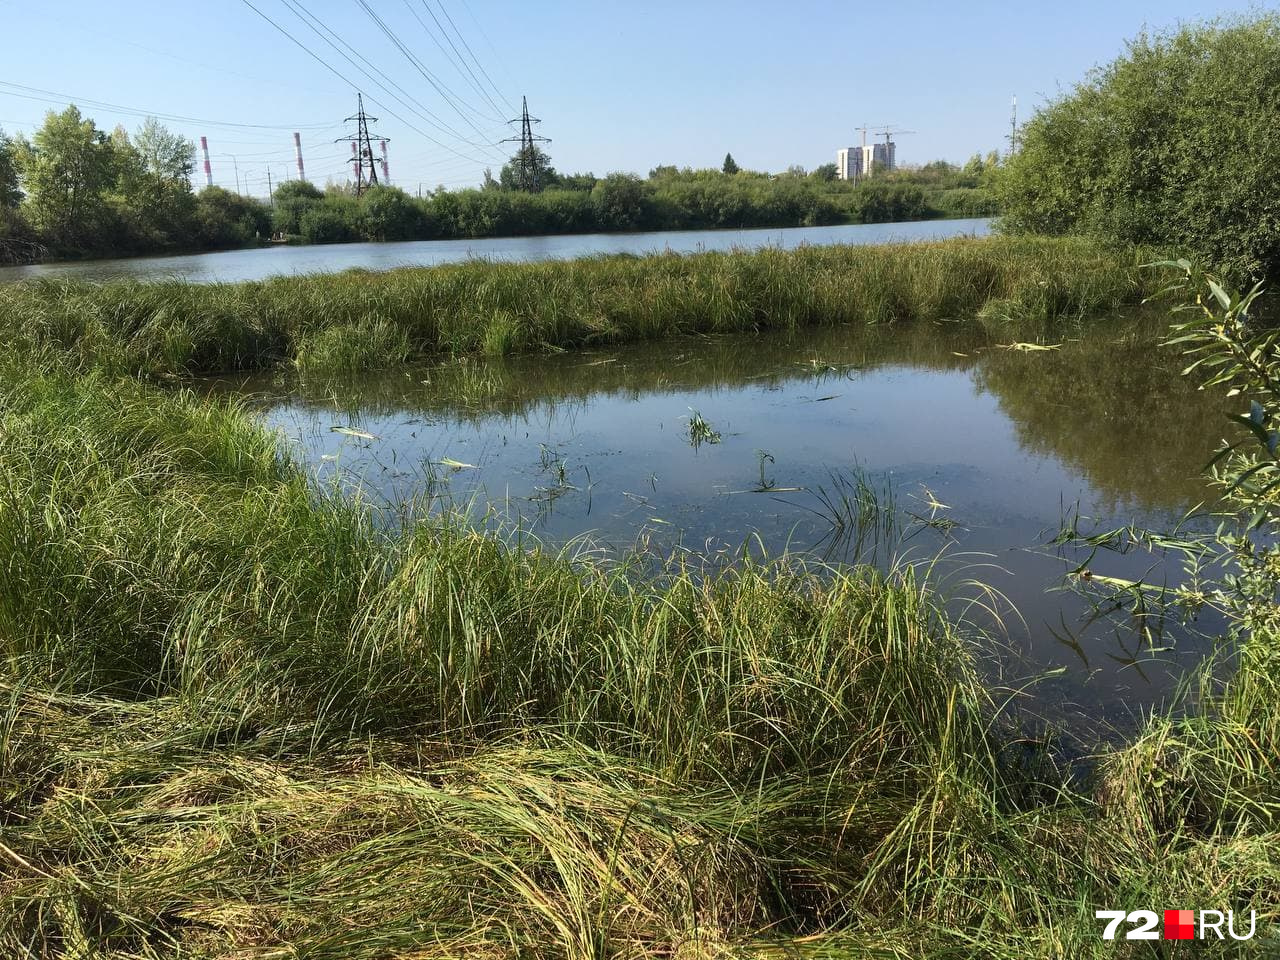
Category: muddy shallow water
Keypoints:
(936, 442)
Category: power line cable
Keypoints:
(457, 58)
(339, 75)
(138, 111)
(474, 58)
(316, 26)
(492, 49)
(448, 95)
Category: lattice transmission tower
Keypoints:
(529, 161)
(362, 158)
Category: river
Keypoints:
(228, 266)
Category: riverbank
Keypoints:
(361, 320)
(241, 717)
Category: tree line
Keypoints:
(73, 189)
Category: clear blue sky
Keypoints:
(619, 86)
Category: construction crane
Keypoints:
(889, 132)
(865, 127)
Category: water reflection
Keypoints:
(872, 443)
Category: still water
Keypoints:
(888, 444)
(234, 265)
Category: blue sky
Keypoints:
(618, 86)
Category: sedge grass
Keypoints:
(360, 319)
(242, 718)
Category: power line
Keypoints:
(457, 58)
(317, 25)
(138, 111)
(474, 59)
(444, 91)
(492, 48)
(339, 75)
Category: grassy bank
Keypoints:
(358, 320)
(241, 719)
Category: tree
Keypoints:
(390, 214)
(151, 202)
(16, 242)
(166, 155)
(290, 202)
(729, 166)
(66, 170)
(825, 173)
(10, 193)
(621, 201)
(1172, 144)
(225, 219)
(529, 170)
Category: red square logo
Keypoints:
(1179, 924)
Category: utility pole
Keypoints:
(528, 169)
(271, 193)
(362, 147)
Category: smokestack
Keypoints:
(297, 147)
(386, 176)
(208, 170)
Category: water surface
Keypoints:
(849, 444)
(235, 265)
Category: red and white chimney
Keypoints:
(208, 170)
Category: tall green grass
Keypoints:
(241, 718)
(360, 319)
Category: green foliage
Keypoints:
(290, 201)
(371, 342)
(390, 214)
(530, 171)
(621, 202)
(66, 171)
(151, 203)
(1228, 346)
(86, 192)
(10, 193)
(1172, 144)
(337, 218)
(157, 329)
(729, 166)
(166, 156)
(226, 219)
(242, 716)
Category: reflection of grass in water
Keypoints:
(860, 517)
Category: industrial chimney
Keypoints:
(208, 170)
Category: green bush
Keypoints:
(226, 219)
(1172, 144)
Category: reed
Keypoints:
(360, 319)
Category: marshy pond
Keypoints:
(941, 444)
